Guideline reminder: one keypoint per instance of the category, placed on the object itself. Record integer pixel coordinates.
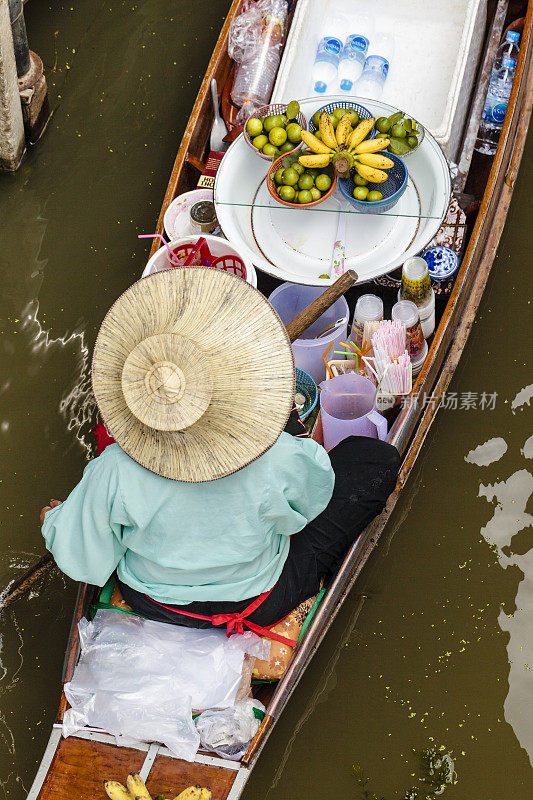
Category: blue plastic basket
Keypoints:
(392, 189)
(363, 112)
(306, 386)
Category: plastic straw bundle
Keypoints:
(390, 338)
(392, 364)
(397, 376)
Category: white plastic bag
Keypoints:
(143, 679)
(228, 732)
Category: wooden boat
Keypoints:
(77, 766)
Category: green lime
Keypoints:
(315, 193)
(360, 192)
(339, 113)
(278, 175)
(305, 197)
(272, 121)
(288, 147)
(260, 141)
(290, 176)
(278, 190)
(306, 181)
(358, 180)
(294, 133)
(300, 169)
(293, 109)
(323, 182)
(287, 193)
(354, 115)
(270, 150)
(277, 136)
(315, 119)
(312, 171)
(334, 120)
(412, 141)
(318, 135)
(408, 125)
(398, 131)
(374, 196)
(254, 127)
(383, 125)
(284, 120)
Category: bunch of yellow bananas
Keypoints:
(135, 789)
(346, 150)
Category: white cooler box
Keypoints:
(437, 49)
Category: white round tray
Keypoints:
(296, 244)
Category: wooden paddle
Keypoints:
(295, 329)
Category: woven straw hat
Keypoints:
(193, 373)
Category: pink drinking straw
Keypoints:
(173, 257)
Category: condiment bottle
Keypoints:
(405, 311)
(416, 285)
(203, 216)
(369, 308)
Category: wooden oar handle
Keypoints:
(310, 314)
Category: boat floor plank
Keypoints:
(170, 776)
(80, 767)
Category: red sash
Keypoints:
(235, 623)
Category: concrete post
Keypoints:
(11, 125)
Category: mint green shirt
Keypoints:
(179, 542)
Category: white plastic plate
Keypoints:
(296, 244)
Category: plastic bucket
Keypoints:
(291, 298)
(218, 247)
(347, 409)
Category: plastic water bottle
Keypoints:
(501, 81)
(376, 67)
(328, 55)
(353, 55)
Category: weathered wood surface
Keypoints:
(80, 767)
(169, 776)
(313, 311)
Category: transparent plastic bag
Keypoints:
(228, 732)
(143, 679)
(255, 43)
(246, 30)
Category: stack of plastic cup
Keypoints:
(369, 308)
(406, 311)
(416, 287)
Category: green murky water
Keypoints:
(425, 659)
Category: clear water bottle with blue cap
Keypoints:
(376, 67)
(501, 82)
(327, 56)
(353, 55)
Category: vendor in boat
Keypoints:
(209, 511)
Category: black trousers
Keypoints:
(365, 475)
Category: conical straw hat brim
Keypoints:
(249, 356)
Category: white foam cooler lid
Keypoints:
(437, 47)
